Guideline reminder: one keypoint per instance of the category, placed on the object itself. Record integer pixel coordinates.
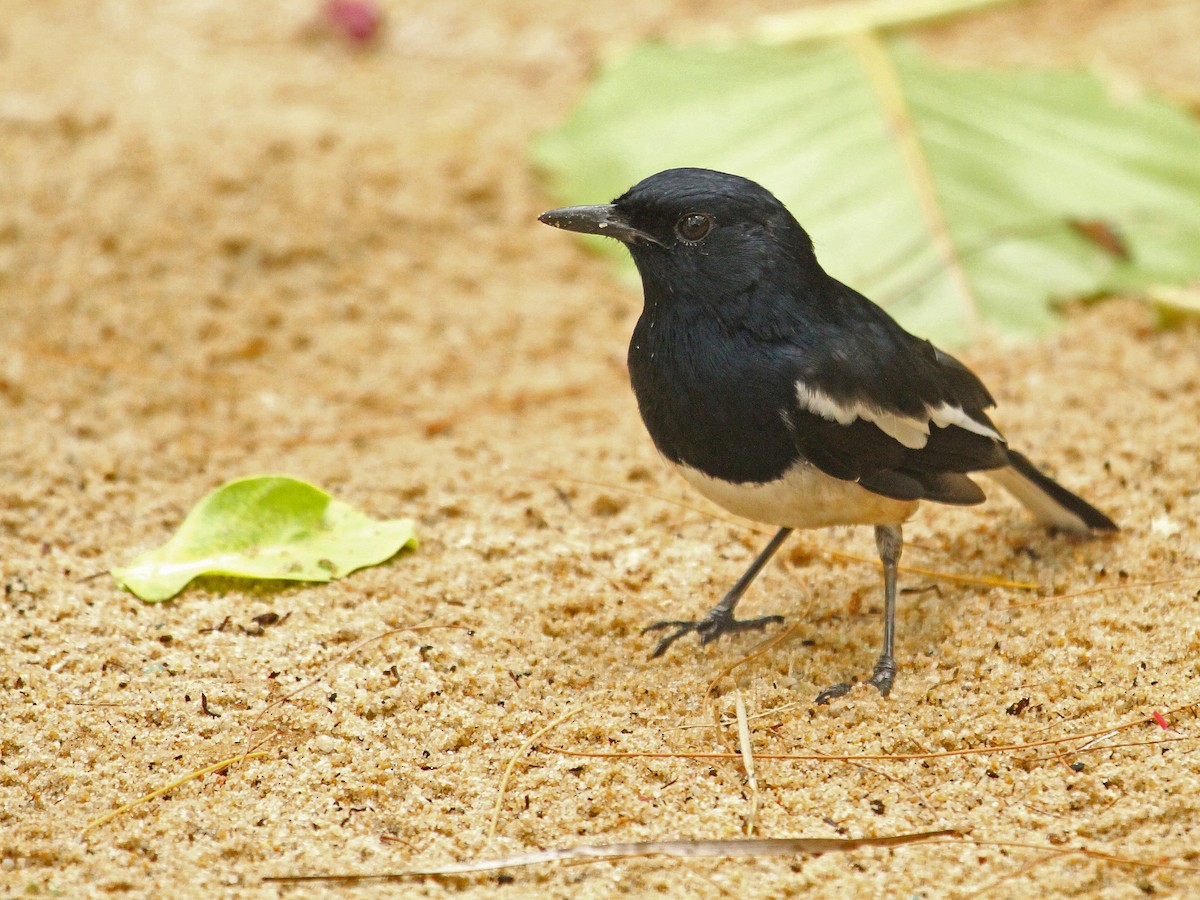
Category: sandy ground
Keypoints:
(231, 245)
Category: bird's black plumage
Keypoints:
(734, 321)
(786, 395)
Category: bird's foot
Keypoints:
(834, 691)
(712, 626)
(883, 677)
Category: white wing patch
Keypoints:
(954, 415)
(910, 431)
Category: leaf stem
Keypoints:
(873, 53)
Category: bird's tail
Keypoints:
(1051, 503)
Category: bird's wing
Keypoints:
(894, 413)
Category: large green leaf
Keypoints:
(269, 527)
(973, 220)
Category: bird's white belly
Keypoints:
(805, 497)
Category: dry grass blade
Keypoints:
(982, 580)
(862, 757)
(1059, 598)
(512, 764)
(872, 757)
(199, 773)
(743, 847)
(1059, 757)
(879, 773)
(1100, 855)
(317, 678)
(747, 760)
(758, 650)
(1012, 876)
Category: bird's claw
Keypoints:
(711, 627)
(834, 691)
(882, 678)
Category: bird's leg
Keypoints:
(720, 618)
(889, 539)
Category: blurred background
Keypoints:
(301, 237)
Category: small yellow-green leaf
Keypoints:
(268, 527)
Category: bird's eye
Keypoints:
(693, 227)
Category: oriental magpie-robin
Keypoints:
(789, 398)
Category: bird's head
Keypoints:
(698, 235)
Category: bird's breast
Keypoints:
(711, 400)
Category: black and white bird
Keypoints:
(789, 398)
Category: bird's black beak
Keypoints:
(604, 219)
